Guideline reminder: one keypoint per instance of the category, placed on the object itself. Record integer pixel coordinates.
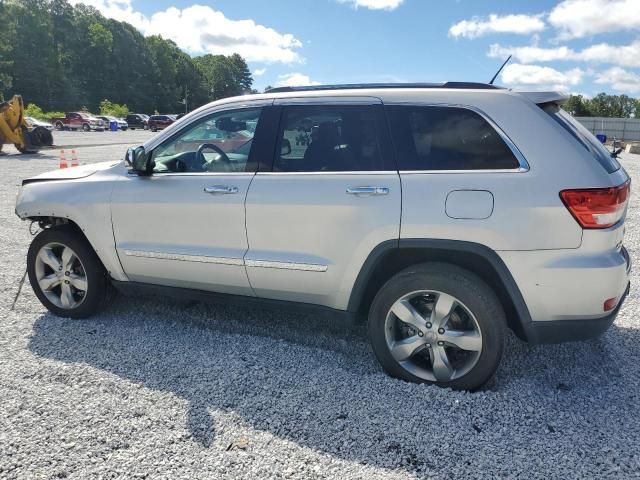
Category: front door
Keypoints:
(332, 195)
(184, 225)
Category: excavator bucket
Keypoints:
(15, 130)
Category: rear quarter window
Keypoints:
(447, 138)
(583, 136)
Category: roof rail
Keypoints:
(361, 86)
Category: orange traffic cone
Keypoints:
(74, 159)
(63, 160)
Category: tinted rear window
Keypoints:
(447, 138)
(583, 136)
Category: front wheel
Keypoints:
(66, 274)
(438, 323)
(86, 127)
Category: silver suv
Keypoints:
(442, 214)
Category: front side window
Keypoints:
(446, 138)
(331, 138)
(218, 143)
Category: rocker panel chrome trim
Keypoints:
(307, 267)
(184, 258)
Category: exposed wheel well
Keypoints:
(59, 222)
(393, 260)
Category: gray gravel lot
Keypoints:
(164, 389)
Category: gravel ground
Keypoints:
(162, 389)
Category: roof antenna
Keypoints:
(499, 70)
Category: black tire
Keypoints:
(59, 126)
(86, 127)
(154, 129)
(25, 150)
(465, 286)
(99, 289)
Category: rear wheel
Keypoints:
(66, 274)
(59, 126)
(86, 127)
(437, 323)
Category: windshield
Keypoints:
(583, 136)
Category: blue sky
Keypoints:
(581, 46)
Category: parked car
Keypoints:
(77, 121)
(137, 120)
(159, 122)
(34, 122)
(440, 214)
(107, 119)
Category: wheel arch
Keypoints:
(390, 257)
(45, 222)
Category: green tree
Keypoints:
(7, 32)
(113, 109)
(619, 106)
(60, 57)
(577, 106)
(33, 110)
(224, 76)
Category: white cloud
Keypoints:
(374, 4)
(295, 80)
(258, 72)
(580, 18)
(620, 79)
(616, 54)
(530, 54)
(477, 26)
(200, 29)
(622, 55)
(528, 76)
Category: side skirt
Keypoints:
(133, 289)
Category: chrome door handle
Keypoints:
(367, 191)
(220, 190)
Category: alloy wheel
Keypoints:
(433, 336)
(61, 275)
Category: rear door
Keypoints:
(330, 195)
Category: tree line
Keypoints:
(603, 105)
(64, 58)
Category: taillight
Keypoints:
(597, 207)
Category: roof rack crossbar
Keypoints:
(362, 86)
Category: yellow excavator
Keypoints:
(15, 130)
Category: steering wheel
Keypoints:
(224, 158)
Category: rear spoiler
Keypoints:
(541, 98)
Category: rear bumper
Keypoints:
(558, 331)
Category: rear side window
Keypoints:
(446, 138)
(328, 138)
(583, 137)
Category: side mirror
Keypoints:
(138, 159)
(285, 147)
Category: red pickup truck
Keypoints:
(76, 121)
